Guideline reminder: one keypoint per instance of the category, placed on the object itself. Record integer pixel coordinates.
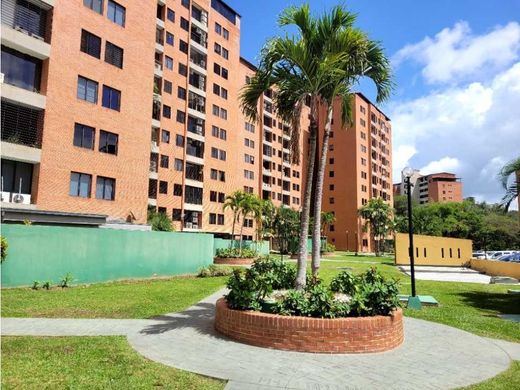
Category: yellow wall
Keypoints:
(430, 250)
(496, 268)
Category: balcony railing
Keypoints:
(195, 148)
(197, 102)
(192, 195)
(22, 125)
(26, 17)
(199, 15)
(192, 219)
(154, 162)
(199, 36)
(198, 59)
(159, 36)
(194, 172)
(198, 81)
(196, 125)
(156, 110)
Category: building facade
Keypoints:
(115, 108)
(435, 187)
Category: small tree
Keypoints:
(286, 225)
(160, 221)
(512, 191)
(378, 217)
(234, 202)
(327, 219)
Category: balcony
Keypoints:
(152, 190)
(26, 27)
(159, 40)
(196, 126)
(268, 107)
(193, 198)
(192, 220)
(199, 59)
(22, 129)
(154, 165)
(197, 80)
(194, 174)
(17, 180)
(199, 17)
(195, 148)
(200, 38)
(196, 104)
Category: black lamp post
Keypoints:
(407, 174)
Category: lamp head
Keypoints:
(408, 172)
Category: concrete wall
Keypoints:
(97, 255)
(430, 250)
(496, 268)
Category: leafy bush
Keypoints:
(160, 222)
(235, 253)
(214, 270)
(345, 282)
(329, 247)
(47, 284)
(66, 280)
(3, 246)
(294, 304)
(243, 292)
(36, 285)
(281, 275)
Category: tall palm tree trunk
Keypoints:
(306, 209)
(233, 230)
(320, 174)
(241, 235)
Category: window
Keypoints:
(165, 136)
(363, 161)
(87, 89)
(250, 127)
(221, 197)
(223, 113)
(177, 190)
(224, 73)
(363, 188)
(225, 53)
(83, 136)
(95, 5)
(218, 48)
(248, 159)
(105, 188)
(212, 219)
(179, 140)
(331, 200)
(165, 161)
(216, 110)
(108, 142)
(168, 62)
(90, 44)
(114, 55)
(167, 111)
(169, 38)
(220, 219)
(178, 164)
(331, 161)
(111, 98)
(221, 71)
(116, 13)
(249, 174)
(185, 3)
(168, 86)
(185, 25)
(163, 187)
(181, 116)
(181, 93)
(331, 173)
(170, 14)
(331, 187)
(363, 149)
(183, 46)
(183, 70)
(218, 28)
(80, 184)
(218, 133)
(363, 175)
(177, 214)
(225, 34)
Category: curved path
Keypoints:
(433, 356)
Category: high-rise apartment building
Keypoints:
(435, 187)
(112, 108)
(359, 167)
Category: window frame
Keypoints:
(83, 128)
(104, 180)
(106, 146)
(116, 7)
(111, 91)
(78, 192)
(86, 43)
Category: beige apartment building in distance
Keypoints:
(111, 108)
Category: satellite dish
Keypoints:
(18, 198)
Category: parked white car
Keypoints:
(499, 254)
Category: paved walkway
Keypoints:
(433, 356)
(447, 274)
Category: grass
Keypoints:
(129, 299)
(509, 379)
(88, 363)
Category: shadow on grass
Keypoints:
(502, 303)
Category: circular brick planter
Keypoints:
(233, 260)
(305, 334)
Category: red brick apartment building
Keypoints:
(435, 187)
(110, 108)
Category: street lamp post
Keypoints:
(407, 174)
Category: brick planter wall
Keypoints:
(305, 334)
(233, 261)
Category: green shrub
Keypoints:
(234, 253)
(214, 270)
(243, 293)
(47, 284)
(281, 275)
(344, 282)
(36, 285)
(294, 304)
(329, 247)
(3, 247)
(66, 280)
(160, 222)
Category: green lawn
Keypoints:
(131, 299)
(108, 362)
(88, 363)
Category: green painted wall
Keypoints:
(261, 247)
(96, 255)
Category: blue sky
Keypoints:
(457, 70)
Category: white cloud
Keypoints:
(445, 164)
(454, 54)
(470, 130)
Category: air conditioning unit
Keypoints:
(189, 225)
(21, 198)
(195, 219)
(5, 196)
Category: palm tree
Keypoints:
(234, 202)
(378, 217)
(327, 219)
(305, 68)
(248, 206)
(513, 189)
